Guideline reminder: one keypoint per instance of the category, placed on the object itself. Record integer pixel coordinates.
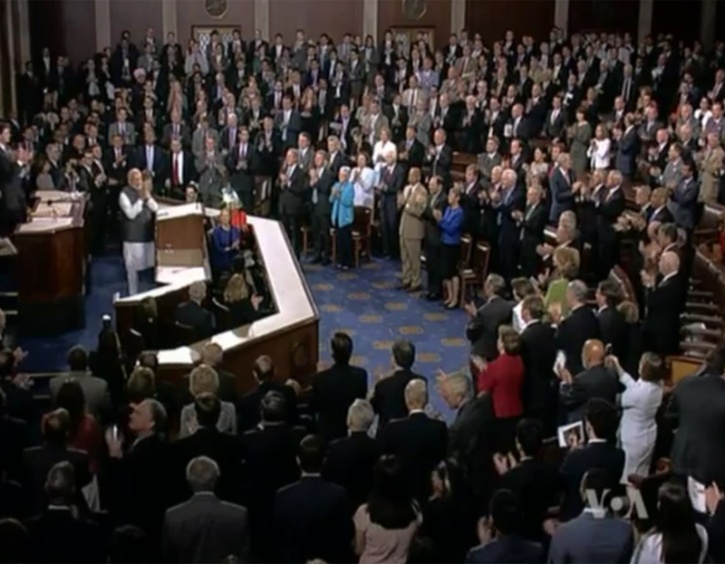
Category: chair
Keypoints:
(306, 230)
(466, 250)
(472, 278)
(184, 334)
(361, 235)
(134, 344)
(221, 314)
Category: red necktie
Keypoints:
(175, 171)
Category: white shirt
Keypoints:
(381, 148)
(599, 154)
(364, 192)
(517, 321)
(179, 165)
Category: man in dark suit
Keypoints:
(336, 388)
(37, 461)
(509, 204)
(611, 207)
(193, 314)
(411, 151)
(249, 405)
(538, 352)
(242, 163)
(208, 441)
(664, 298)
(577, 328)
(627, 148)
(57, 534)
(419, 441)
(312, 516)
(497, 311)
(561, 184)
(392, 182)
(205, 528)
(600, 451)
(532, 221)
(595, 381)
(151, 157)
(612, 324)
(683, 199)
(555, 124)
(176, 128)
(440, 157)
(572, 541)
(321, 207)
(294, 187)
(350, 460)
(288, 122)
(388, 398)
(437, 201)
(500, 537)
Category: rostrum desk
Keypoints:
(289, 336)
(51, 265)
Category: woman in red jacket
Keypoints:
(503, 379)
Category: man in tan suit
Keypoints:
(711, 163)
(412, 203)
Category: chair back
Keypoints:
(221, 314)
(466, 250)
(184, 334)
(481, 257)
(363, 221)
(134, 344)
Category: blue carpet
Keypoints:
(363, 303)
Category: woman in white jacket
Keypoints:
(640, 401)
(599, 151)
(363, 180)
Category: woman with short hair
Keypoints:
(205, 380)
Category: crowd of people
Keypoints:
(562, 131)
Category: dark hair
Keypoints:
(341, 346)
(450, 473)
(676, 522)
(611, 292)
(128, 545)
(504, 511)
(7, 363)
(530, 435)
(389, 503)
(273, 408)
(72, 398)
(14, 541)
(207, 408)
(597, 481)
(602, 416)
(404, 354)
(653, 368)
(148, 359)
(311, 454)
(668, 230)
(55, 427)
(78, 359)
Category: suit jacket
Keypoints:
(187, 173)
(470, 439)
(242, 170)
(289, 133)
(627, 152)
(158, 167)
(441, 164)
(311, 521)
(562, 197)
(248, 411)
(412, 225)
(193, 315)
(613, 330)
(589, 538)
(184, 135)
(489, 317)
(683, 203)
(486, 162)
(697, 411)
(432, 229)
(538, 351)
(37, 462)
(349, 463)
(94, 389)
(507, 549)
(58, 536)
(580, 326)
(421, 443)
(293, 197)
(416, 153)
(612, 206)
(388, 397)
(576, 463)
(205, 529)
(595, 382)
(324, 189)
(555, 128)
(661, 324)
(333, 392)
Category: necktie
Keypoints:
(122, 128)
(175, 171)
(176, 129)
(242, 151)
(231, 137)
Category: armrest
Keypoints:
(700, 294)
(702, 306)
(709, 320)
(707, 333)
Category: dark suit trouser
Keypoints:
(344, 246)
(321, 232)
(247, 198)
(389, 225)
(433, 258)
(508, 262)
(98, 217)
(607, 255)
(291, 224)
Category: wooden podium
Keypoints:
(51, 266)
(180, 241)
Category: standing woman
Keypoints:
(451, 224)
(343, 217)
(600, 150)
(640, 401)
(581, 136)
(224, 243)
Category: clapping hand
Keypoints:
(517, 215)
(257, 301)
(478, 362)
(437, 215)
(115, 443)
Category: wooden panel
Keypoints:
(437, 15)
(679, 17)
(67, 27)
(136, 16)
(604, 15)
(315, 17)
(189, 13)
(493, 18)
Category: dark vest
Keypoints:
(141, 228)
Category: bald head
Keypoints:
(593, 352)
(416, 394)
(669, 263)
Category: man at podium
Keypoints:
(138, 209)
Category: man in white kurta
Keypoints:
(138, 207)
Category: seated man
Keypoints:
(192, 312)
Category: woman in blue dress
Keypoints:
(224, 243)
(451, 225)
(343, 217)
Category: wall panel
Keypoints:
(240, 13)
(492, 18)
(334, 17)
(135, 16)
(437, 15)
(65, 26)
(605, 15)
(679, 17)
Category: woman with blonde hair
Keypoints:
(205, 380)
(242, 304)
(566, 268)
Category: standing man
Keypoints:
(392, 178)
(433, 244)
(293, 193)
(321, 207)
(138, 209)
(412, 203)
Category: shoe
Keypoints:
(433, 297)
(413, 289)
(403, 287)
(451, 306)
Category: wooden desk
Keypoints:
(51, 266)
(289, 336)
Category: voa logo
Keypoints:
(628, 505)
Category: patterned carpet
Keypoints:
(362, 302)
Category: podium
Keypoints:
(51, 266)
(180, 241)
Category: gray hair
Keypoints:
(360, 415)
(459, 385)
(202, 474)
(60, 483)
(416, 394)
(578, 290)
(158, 414)
(496, 283)
(197, 290)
